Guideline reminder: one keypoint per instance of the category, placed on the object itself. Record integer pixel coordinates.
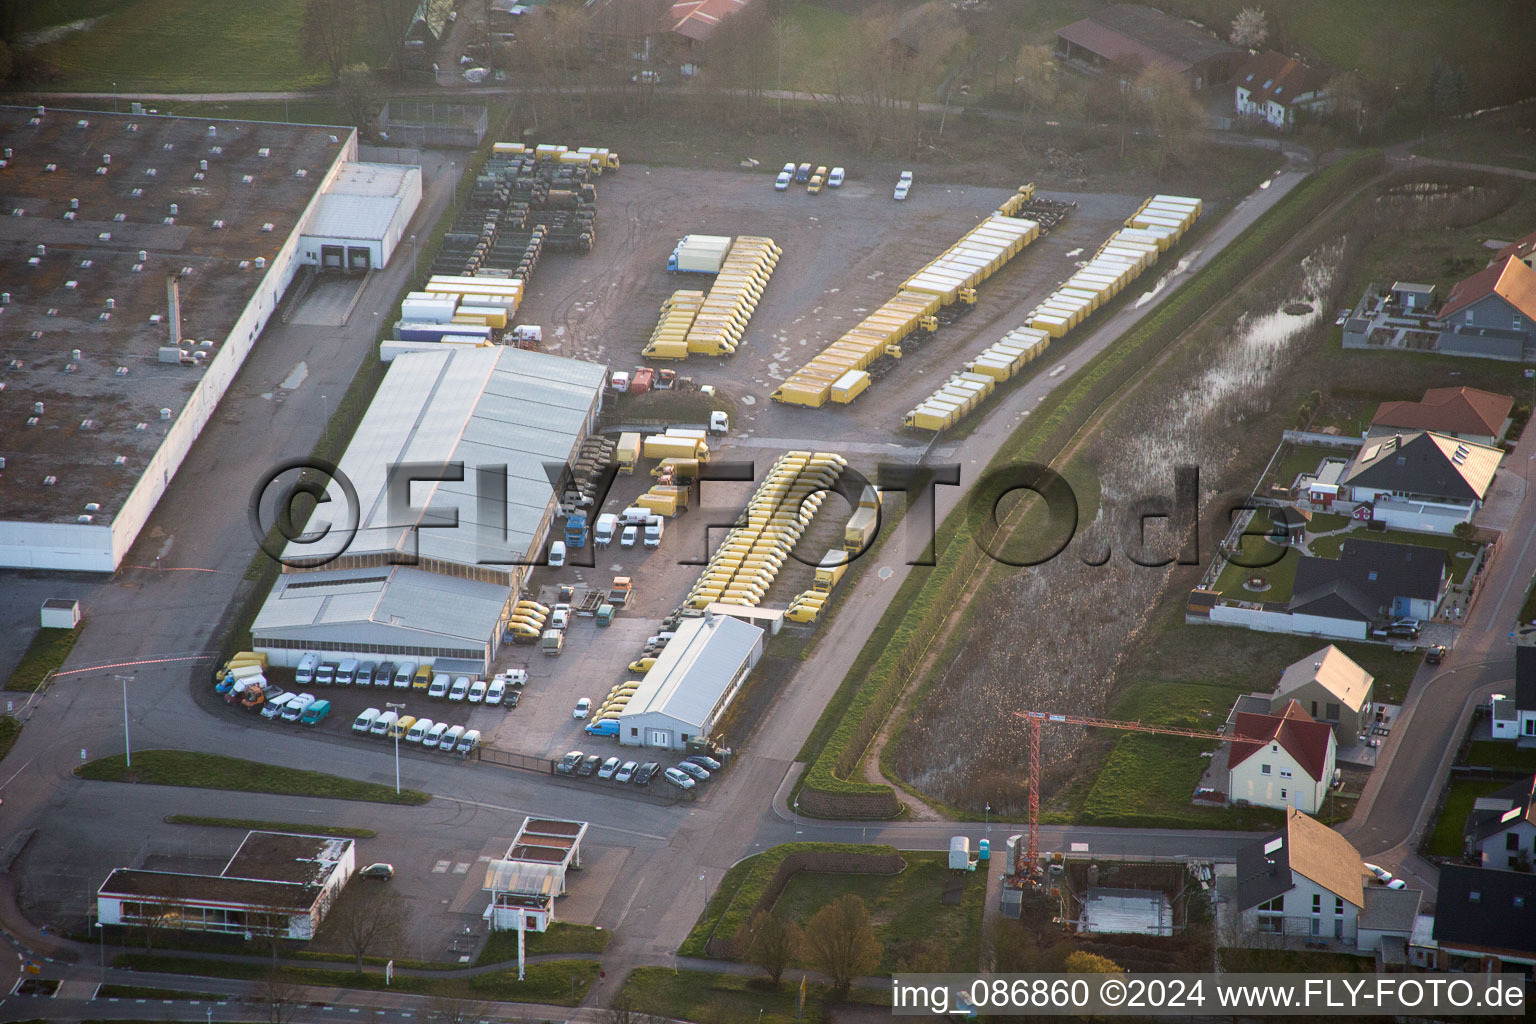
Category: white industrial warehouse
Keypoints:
(361, 216)
(512, 418)
(694, 680)
(141, 258)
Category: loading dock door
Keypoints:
(358, 259)
(660, 738)
(333, 257)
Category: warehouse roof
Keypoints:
(374, 605)
(695, 669)
(484, 408)
(1134, 32)
(91, 227)
(278, 870)
(340, 215)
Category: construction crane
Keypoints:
(1026, 862)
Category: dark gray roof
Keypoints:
(1482, 823)
(1263, 876)
(1413, 463)
(1525, 678)
(1390, 910)
(1366, 577)
(1486, 909)
(1252, 703)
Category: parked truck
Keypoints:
(576, 530)
(860, 529)
(552, 642)
(627, 453)
(619, 593)
(665, 446)
(699, 254)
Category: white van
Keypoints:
(364, 722)
(653, 530)
(346, 672)
(421, 727)
(325, 674)
(403, 673)
(384, 723)
(450, 738)
(496, 692)
(557, 554)
(603, 532)
(433, 736)
(635, 515)
(468, 742)
(305, 673)
(460, 689)
(439, 687)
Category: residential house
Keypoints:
(1492, 313)
(1371, 582)
(1525, 691)
(1487, 917)
(1501, 827)
(1466, 414)
(1281, 760)
(1503, 717)
(1386, 925)
(1128, 36)
(1276, 88)
(1422, 480)
(694, 21)
(1523, 250)
(1305, 881)
(628, 29)
(1332, 689)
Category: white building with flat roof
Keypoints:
(694, 680)
(361, 216)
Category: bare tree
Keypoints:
(278, 998)
(270, 926)
(1250, 28)
(365, 921)
(841, 943)
(772, 942)
(454, 1010)
(1174, 118)
(622, 1011)
(327, 31)
(358, 95)
(1037, 78)
(156, 916)
(392, 20)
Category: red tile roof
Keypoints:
(698, 19)
(1448, 411)
(1274, 76)
(1303, 737)
(1510, 280)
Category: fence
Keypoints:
(509, 759)
(1312, 437)
(437, 125)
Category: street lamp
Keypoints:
(127, 746)
(397, 708)
(101, 934)
(988, 818)
(325, 412)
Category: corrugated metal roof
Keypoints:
(369, 179)
(695, 669)
(409, 599)
(521, 876)
(485, 407)
(362, 217)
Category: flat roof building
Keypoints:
(140, 258)
(693, 681)
(276, 882)
(437, 575)
(524, 883)
(362, 216)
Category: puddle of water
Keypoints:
(295, 377)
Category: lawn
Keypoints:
(1149, 781)
(215, 771)
(249, 824)
(560, 938)
(1448, 839)
(1528, 609)
(44, 655)
(1501, 754)
(1261, 557)
(562, 982)
(1298, 459)
(10, 729)
(188, 46)
(909, 910)
(731, 998)
(1328, 547)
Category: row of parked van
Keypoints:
(349, 671)
(453, 739)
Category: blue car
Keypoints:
(606, 727)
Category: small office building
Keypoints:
(686, 692)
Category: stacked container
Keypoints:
(744, 566)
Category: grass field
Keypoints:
(215, 771)
(43, 656)
(1329, 547)
(184, 45)
(10, 729)
(908, 910)
(1501, 754)
(1261, 557)
(1448, 839)
(732, 999)
(271, 826)
(560, 938)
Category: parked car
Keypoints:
(705, 761)
(678, 779)
(588, 765)
(418, 730)
(460, 689)
(609, 767)
(439, 687)
(568, 763)
(325, 675)
(510, 700)
(781, 183)
(557, 554)
(495, 691)
(835, 179)
(1404, 628)
(296, 706)
(403, 673)
(560, 616)
(1435, 655)
(817, 180)
(803, 173)
(583, 708)
(697, 771)
(422, 677)
(346, 672)
(477, 690)
(646, 772)
(364, 722)
(384, 675)
(517, 676)
(433, 736)
(383, 872)
(626, 772)
(365, 674)
(789, 169)
(903, 185)
(304, 674)
(629, 536)
(450, 739)
(468, 742)
(275, 705)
